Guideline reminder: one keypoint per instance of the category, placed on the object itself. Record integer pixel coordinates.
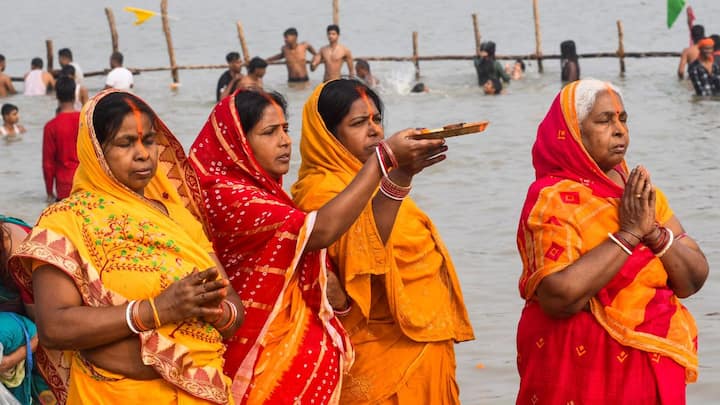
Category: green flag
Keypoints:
(674, 9)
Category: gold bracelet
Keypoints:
(156, 316)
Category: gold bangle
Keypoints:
(156, 316)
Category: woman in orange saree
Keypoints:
(123, 314)
(291, 348)
(605, 262)
(408, 309)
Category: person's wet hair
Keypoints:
(337, 97)
(65, 89)
(65, 53)
(716, 40)
(488, 47)
(567, 50)
(256, 63)
(117, 57)
(110, 112)
(418, 88)
(362, 64)
(67, 70)
(522, 64)
(697, 33)
(497, 85)
(36, 63)
(290, 31)
(7, 108)
(250, 105)
(232, 57)
(2, 58)
(333, 27)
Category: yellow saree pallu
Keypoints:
(408, 309)
(117, 246)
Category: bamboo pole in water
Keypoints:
(538, 36)
(49, 48)
(168, 38)
(621, 48)
(243, 44)
(336, 12)
(416, 57)
(113, 29)
(477, 34)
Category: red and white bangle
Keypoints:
(662, 244)
(381, 161)
(671, 239)
(617, 240)
(392, 190)
(231, 319)
(389, 154)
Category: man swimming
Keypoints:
(333, 55)
(294, 55)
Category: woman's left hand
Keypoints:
(337, 297)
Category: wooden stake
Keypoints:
(243, 44)
(113, 29)
(621, 48)
(416, 61)
(336, 12)
(168, 38)
(49, 47)
(477, 34)
(538, 36)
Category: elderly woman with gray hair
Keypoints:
(605, 263)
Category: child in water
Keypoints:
(11, 117)
(493, 87)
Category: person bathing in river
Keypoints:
(294, 54)
(333, 55)
(692, 52)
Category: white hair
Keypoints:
(586, 92)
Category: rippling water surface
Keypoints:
(476, 195)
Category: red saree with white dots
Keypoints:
(636, 343)
(291, 348)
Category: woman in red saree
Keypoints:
(605, 262)
(291, 348)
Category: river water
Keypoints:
(476, 195)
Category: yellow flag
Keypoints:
(140, 14)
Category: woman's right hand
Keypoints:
(413, 155)
(637, 204)
(196, 296)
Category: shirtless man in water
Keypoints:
(691, 53)
(294, 55)
(333, 55)
(6, 86)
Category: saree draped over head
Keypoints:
(118, 246)
(408, 308)
(291, 348)
(636, 335)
